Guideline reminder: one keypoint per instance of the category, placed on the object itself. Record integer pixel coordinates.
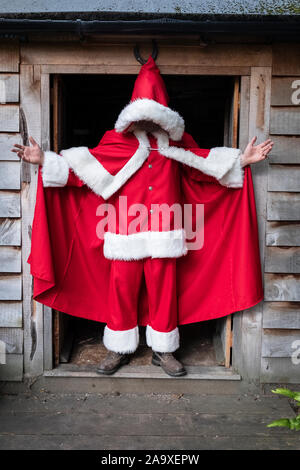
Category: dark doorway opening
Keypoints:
(83, 108)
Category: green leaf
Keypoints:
(287, 393)
(280, 422)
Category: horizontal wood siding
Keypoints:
(11, 311)
(281, 314)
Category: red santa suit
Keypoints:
(154, 173)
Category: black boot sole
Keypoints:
(156, 362)
(123, 362)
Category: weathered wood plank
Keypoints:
(286, 149)
(48, 338)
(10, 259)
(283, 206)
(13, 339)
(285, 120)
(10, 314)
(7, 142)
(30, 102)
(9, 56)
(281, 287)
(282, 260)
(10, 175)
(9, 118)
(10, 232)
(10, 204)
(283, 234)
(285, 91)
(281, 315)
(286, 60)
(10, 287)
(248, 324)
(279, 370)
(280, 343)
(121, 54)
(284, 178)
(134, 69)
(13, 369)
(9, 88)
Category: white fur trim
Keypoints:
(93, 173)
(124, 342)
(234, 178)
(167, 244)
(220, 161)
(162, 342)
(55, 170)
(145, 109)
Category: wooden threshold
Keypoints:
(145, 372)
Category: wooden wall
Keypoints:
(263, 335)
(11, 323)
(281, 312)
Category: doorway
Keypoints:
(83, 107)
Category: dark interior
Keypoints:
(88, 106)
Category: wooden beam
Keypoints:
(283, 206)
(284, 178)
(30, 101)
(280, 342)
(279, 370)
(9, 56)
(283, 234)
(10, 287)
(285, 91)
(111, 54)
(9, 118)
(281, 315)
(286, 59)
(10, 259)
(10, 204)
(13, 339)
(286, 150)
(11, 314)
(9, 88)
(10, 175)
(282, 287)
(282, 260)
(285, 120)
(7, 142)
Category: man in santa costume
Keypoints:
(143, 161)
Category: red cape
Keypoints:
(71, 274)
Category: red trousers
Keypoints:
(121, 333)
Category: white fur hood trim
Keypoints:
(145, 109)
(166, 244)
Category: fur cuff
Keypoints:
(162, 342)
(55, 170)
(123, 342)
(150, 110)
(234, 178)
(168, 244)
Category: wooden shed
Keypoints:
(238, 61)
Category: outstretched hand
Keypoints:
(32, 154)
(256, 153)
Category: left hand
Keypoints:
(256, 153)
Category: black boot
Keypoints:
(168, 363)
(112, 362)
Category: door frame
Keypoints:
(254, 116)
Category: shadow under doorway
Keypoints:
(88, 105)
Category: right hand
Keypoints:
(32, 154)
